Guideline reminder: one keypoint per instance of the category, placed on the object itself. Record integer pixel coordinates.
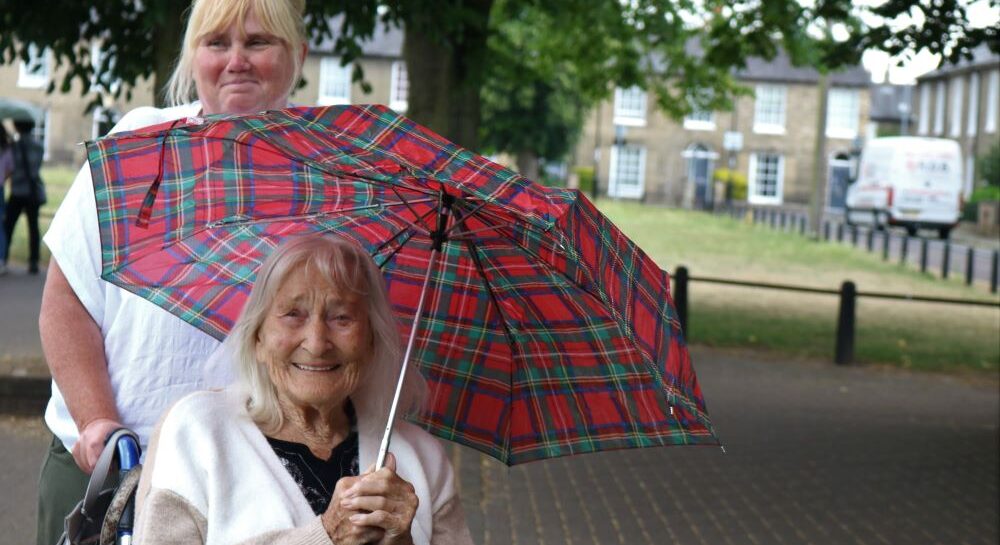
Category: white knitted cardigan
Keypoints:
(211, 477)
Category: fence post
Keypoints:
(840, 232)
(885, 245)
(782, 220)
(854, 236)
(995, 272)
(870, 243)
(826, 231)
(970, 265)
(802, 225)
(681, 298)
(904, 250)
(923, 255)
(844, 353)
(946, 260)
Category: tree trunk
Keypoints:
(527, 164)
(819, 172)
(166, 44)
(445, 78)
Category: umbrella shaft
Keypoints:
(435, 253)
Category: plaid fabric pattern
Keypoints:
(546, 333)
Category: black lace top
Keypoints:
(317, 477)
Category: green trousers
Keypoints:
(61, 486)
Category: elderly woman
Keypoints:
(238, 56)
(275, 459)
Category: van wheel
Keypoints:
(881, 220)
(944, 233)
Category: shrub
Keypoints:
(585, 175)
(736, 179)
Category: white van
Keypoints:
(911, 182)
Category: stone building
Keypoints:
(640, 153)
(962, 102)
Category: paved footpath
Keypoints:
(814, 455)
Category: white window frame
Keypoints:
(770, 107)
(753, 196)
(924, 122)
(616, 187)
(630, 106)
(992, 97)
(972, 116)
(955, 93)
(939, 108)
(700, 120)
(843, 113)
(399, 87)
(334, 82)
(35, 73)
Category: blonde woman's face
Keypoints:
(239, 71)
(314, 341)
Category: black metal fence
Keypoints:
(847, 309)
(941, 256)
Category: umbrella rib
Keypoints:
(405, 202)
(510, 338)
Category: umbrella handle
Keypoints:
(437, 236)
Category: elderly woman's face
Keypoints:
(243, 70)
(314, 341)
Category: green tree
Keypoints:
(449, 58)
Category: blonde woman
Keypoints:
(116, 359)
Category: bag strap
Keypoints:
(103, 468)
(119, 503)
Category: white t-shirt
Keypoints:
(154, 358)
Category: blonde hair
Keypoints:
(347, 267)
(283, 18)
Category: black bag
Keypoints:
(36, 190)
(95, 519)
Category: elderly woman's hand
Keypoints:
(336, 519)
(385, 501)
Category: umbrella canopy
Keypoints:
(19, 110)
(546, 332)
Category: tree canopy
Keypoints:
(554, 57)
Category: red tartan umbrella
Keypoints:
(545, 332)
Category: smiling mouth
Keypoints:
(316, 368)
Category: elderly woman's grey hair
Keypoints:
(347, 267)
(283, 18)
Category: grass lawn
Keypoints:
(907, 334)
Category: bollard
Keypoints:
(681, 298)
(904, 250)
(946, 260)
(844, 352)
(826, 231)
(840, 232)
(995, 271)
(970, 265)
(923, 255)
(885, 245)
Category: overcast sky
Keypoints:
(876, 62)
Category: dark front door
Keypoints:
(836, 184)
